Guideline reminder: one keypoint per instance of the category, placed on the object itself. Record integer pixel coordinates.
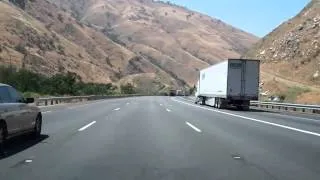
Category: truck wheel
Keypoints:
(215, 103)
(203, 101)
(246, 108)
(239, 108)
(219, 104)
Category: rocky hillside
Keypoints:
(291, 54)
(153, 44)
(47, 40)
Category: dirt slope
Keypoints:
(173, 38)
(116, 41)
(291, 54)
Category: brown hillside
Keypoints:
(116, 41)
(292, 52)
(54, 42)
(175, 39)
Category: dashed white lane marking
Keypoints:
(160, 104)
(28, 161)
(117, 109)
(87, 126)
(193, 127)
(168, 110)
(253, 119)
(45, 112)
(128, 104)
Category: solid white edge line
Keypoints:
(187, 100)
(193, 127)
(302, 118)
(117, 109)
(253, 119)
(86, 126)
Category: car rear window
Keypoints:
(4, 95)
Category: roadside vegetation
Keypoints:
(292, 93)
(35, 85)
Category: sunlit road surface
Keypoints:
(167, 138)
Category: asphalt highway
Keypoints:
(165, 138)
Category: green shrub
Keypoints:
(60, 18)
(61, 49)
(21, 48)
(292, 93)
(127, 89)
(33, 84)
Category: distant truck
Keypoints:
(230, 83)
(175, 92)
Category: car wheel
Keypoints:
(37, 127)
(2, 138)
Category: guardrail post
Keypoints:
(315, 109)
(46, 102)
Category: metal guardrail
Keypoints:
(75, 99)
(287, 106)
(269, 105)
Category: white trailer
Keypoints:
(230, 83)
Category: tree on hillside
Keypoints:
(192, 90)
(19, 3)
(127, 89)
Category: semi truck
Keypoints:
(234, 82)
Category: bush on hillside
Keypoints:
(127, 89)
(21, 48)
(59, 84)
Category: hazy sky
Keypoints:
(258, 17)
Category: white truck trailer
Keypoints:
(230, 83)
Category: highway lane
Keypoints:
(60, 123)
(304, 121)
(164, 138)
(285, 153)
